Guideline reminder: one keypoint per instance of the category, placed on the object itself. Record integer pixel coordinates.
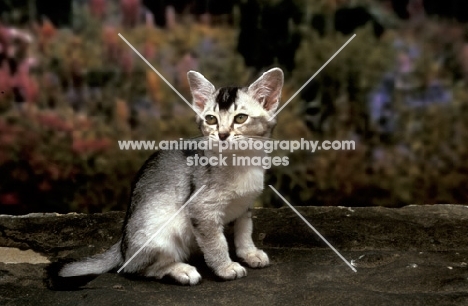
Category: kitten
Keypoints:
(166, 182)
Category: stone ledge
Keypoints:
(423, 228)
(415, 255)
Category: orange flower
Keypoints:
(7, 139)
(48, 30)
(54, 172)
(46, 33)
(109, 37)
(154, 85)
(45, 186)
(122, 113)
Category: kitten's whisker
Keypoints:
(259, 138)
(200, 138)
(196, 139)
(237, 137)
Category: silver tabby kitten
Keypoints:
(166, 182)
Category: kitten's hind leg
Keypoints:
(181, 272)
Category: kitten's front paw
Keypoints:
(255, 259)
(186, 275)
(232, 271)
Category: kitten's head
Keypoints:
(232, 111)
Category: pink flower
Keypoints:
(89, 146)
(53, 121)
(171, 21)
(112, 50)
(187, 63)
(126, 62)
(149, 50)
(25, 82)
(5, 79)
(130, 11)
(97, 8)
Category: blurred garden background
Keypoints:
(70, 88)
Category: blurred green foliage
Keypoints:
(56, 158)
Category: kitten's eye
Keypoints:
(240, 118)
(210, 119)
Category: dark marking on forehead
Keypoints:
(226, 97)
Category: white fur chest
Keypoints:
(247, 180)
(246, 185)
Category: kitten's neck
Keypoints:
(238, 158)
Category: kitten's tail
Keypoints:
(65, 276)
(97, 264)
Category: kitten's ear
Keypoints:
(267, 89)
(200, 88)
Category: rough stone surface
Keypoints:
(15, 255)
(415, 255)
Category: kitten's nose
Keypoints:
(223, 136)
